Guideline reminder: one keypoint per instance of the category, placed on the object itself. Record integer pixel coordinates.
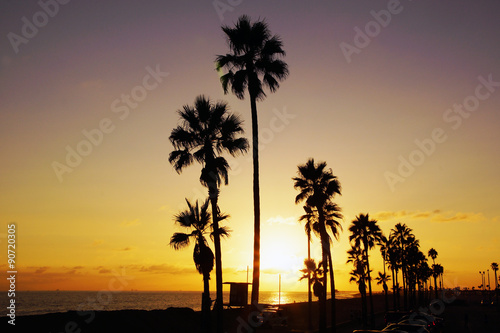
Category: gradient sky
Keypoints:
(112, 215)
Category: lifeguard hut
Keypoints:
(238, 294)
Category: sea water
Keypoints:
(40, 302)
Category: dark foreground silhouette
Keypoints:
(466, 314)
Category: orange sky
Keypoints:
(371, 120)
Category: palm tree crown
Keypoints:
(254, 61)
(207, 130)
(197, 219)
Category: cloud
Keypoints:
(130, 223)
(434, 216)
(128, 248)
(458, 217)
(104, 271)
(282, 220)
(166, 269)
(41, 270)
(97, 242)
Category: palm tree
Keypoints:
(313, 274)
(206, 131)
(317, 188)
(433, 255)
(254, 63)
(356, 256)
(309, 217)
(367, 232)
(494, 267)
(198, 220)
(392, 254)
(400, 235)
(382, 279)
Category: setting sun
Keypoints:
(118, 117)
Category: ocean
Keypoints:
(40, 302)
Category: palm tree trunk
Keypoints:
(205, 304)
(393, 289)
(213, 193)
(364, 312)
(325, 245)
(385, 285)
(405, 294)
(435, 287)
(322, 310)
(372, 313)
(398, 297)
(332, 290)
(309, 293)
(256, 203)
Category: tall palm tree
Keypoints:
(433, 255)
(382, 279)
(309, 217)
(197, 219)
(494, 267)
(254, 62)
(367, 232)
(207, 130)
(317, 188)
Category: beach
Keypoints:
(463, 314)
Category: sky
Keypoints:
(400, 98)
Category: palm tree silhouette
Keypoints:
(309, 217)
(359, 273)
(197, 219)
(382, 279)
(254, 63)
(206, 131)
(317, 188)
(494, 267)
(393, 258)
(314, 275)
(367, 232)
(433, 254)
(400, 235)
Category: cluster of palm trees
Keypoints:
(207, 130)
(317, 188)
(365, 234)
(400, 251)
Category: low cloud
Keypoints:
(282, 220)
(41, 270)
(130, 223)
(437, 216)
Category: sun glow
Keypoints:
(283, 248)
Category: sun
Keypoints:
(282, 251)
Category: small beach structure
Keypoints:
(238, 294)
